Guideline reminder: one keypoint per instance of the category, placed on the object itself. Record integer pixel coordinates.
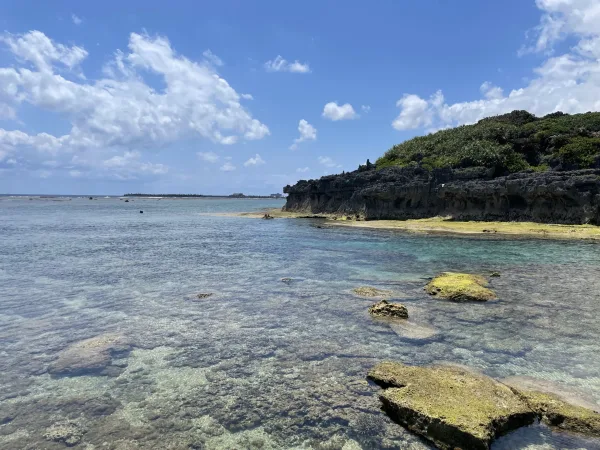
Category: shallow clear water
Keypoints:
(265, 364)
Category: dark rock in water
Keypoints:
(91, 198)
(570, 197)
(90, 356)
(69, 433)
(268, 216)
(495, 274)
(386, 309)
(450, 406)
(141, 212)
(287, 280)
(126, 201)
(204, 295)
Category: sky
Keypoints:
(234, 96)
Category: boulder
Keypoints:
(386, 309)
(370, 292)
(450, 406)
(204, 295)
(90, 356)
(460, 287)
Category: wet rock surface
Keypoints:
(450, 406)
(69, 433)
(465, 194)
(90, 356)
(460, 287)
(370, 292)
(387, 309)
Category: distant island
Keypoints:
(235, 195)
(512, 167)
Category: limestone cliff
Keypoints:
(568, 197)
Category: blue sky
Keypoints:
(219, 97)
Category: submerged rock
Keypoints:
(460, 287)
(387, 309)
(90, 356)
(69, 433)
(450, 406)
(204, 295)
(369, 292)
(411, 330)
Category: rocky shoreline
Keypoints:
(473, 194)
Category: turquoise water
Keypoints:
(261, 363)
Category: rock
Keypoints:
(90, 356)
(204, 295)
(141, 212)
(569, 197)
(69, 433)
(386, 309)
(460, 287)
(450, 406)
(369, 292)
(126, 201)
(558, 413)
(268, 216)
(411, 330)
(495, 274)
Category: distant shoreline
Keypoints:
(233, 196)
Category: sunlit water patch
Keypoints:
(262, 363)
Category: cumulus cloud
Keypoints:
(227, 167)
(281, 65)
(121, 111)
(210, 157)
(212, 58)
(255, 161)
(328, 162)
(569, 82)
(366, 109)
(302, 169)
(76, 20)
(307, 133)
(335, 112)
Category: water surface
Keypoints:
(265, 364)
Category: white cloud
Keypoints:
(302, 169)
(121, 111)
(366, 109)
(76, 20)
(335, 112)
(210, 157)
(307, 133)
(281, 65)
(569, 82)
(247, 96)
(212, 58)
(227, 167)
(328, 162)
(256, 161)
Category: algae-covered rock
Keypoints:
(558, 413)
(370, 292)
(460, 287)
(387, 309)
(90, 356)
(450, 406)
(69, 433)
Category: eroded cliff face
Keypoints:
(470, 194)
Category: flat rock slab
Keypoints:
(452, 407)
(90, 356)
(460, 287)
(411, 330)
(371, 292)
(387, 309)
(457, 408)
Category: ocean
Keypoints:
(261, 363)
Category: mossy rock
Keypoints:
(450, 406)
(371, 292)
(69, 433)
(460, 287)
(387, 309)
(558, 413)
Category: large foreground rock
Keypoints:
(456, 408)
(90, 356)
(387, 309)
(460, 287)
(450, 406)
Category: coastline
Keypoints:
(442, 225)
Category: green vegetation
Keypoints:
(506, 144)
(460, 287)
